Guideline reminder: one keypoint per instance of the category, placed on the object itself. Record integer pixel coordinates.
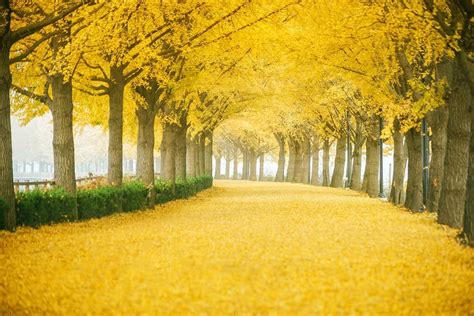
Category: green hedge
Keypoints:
(36, 208)
(3, 211)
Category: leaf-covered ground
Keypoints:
(242, 248)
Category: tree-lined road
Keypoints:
(242, 248)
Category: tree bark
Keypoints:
(208, 154)
(235, 174)
(456, 162)
(438, 122)
(115, 149)
(261, 172)
(290, 169)
(371, 176)
(280, 175)
(191, 154)
(202, 155)
(168, 152)
(468, 220)
(315, 161)
(414, 192)
(217, 174)
(337, 180)
(227, 167)
(305, 163)
(356, 183)
(245, 164)
(63, 136)
(399, 165)
(7, 192)
(298, 162)
(326, 149)
(180, 160)
(145, 146)
(253, 165)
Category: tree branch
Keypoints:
(40, 98)
(34, 27)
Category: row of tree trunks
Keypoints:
(280, 175)
(399, 165)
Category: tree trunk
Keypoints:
(371, 176)
(218, 167)
(468, 220)
(456, 162)
(208, 154)
(191, 163)
(326, 149)
(180, 160)
(253, 165)
(7, 193)
(145, 148)
(202, 155)
(261, 172)
(245, 164)
(337, 180)
(399, 165)
(298, 162)
(414, 195)
(235, 174)
(438, 122)
(290, 169)
(227, 167)
(306, 158)
(63, 136)
(315, 162)
(115, 149)
(359, 141)
(280, 175)
(168, 152)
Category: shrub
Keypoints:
(3, 211)
(164, 191)
(99, 202)
(134, 196)
(37, 207)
